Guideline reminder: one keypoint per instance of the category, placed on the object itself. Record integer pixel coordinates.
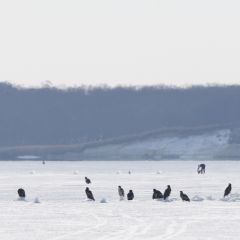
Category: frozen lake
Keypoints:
(65, 214)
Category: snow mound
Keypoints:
(197, 198)
(210, 198)
(88, 200)
(103, 200)
(21, 199)
(159, 172)
(235, 197)
(118, 172)
(158, 199)
(170, 200)
(32, 172)
(37, 200)
(76, 172)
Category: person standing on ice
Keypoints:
(89, 194)
(228, 190)
(121, 192)
(167, 192)
(130, 195)
(201, 168)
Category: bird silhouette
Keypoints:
(167, 192)
(184, 196)
(228, 190)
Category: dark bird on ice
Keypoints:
(21, 193)
(228, 190)
(89, 194)
(87, 180)
(130, 195)
(157, 194)
(121, 192)
(184, 196)
(167, 192)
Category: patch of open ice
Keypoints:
(197, 198)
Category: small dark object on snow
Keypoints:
(130, 195)
(167, 192)
(184, 197)
(228, 190)
(201, 168)
(89, 194)
(87, 180)
(120, 192)
(157, 194)
(21, 193)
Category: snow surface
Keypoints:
(56, 207)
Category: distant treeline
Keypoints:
(76, 115)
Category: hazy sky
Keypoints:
(73, 42)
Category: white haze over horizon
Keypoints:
(127, 42)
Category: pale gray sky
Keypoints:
(73, 42)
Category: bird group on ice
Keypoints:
(158, 195)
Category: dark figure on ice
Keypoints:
(21, 193)
(228, 190)
(167, 192)
(130, 195)
(89, 194)
(87, 180)
(184, 197)
(121, 192)
(43, 162)
(201, 168)
(157, 194)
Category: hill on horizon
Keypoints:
(51, 116)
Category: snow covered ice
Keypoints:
(64, 212)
